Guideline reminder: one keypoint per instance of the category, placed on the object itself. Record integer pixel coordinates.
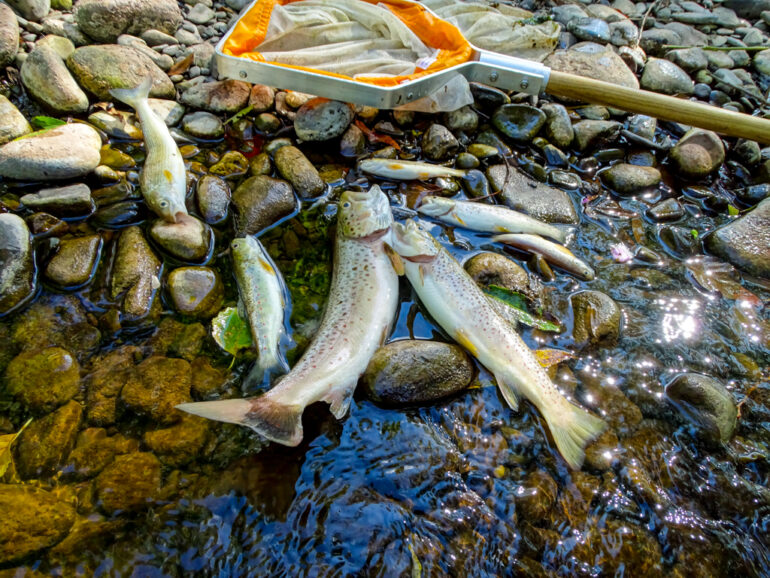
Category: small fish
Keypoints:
(551, 252)
(163, 178)
(486, 218)
(406, 170)
(359, 313)
(263, 296)
(458, 305)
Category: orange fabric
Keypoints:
(250, 30)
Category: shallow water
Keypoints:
(465, 486)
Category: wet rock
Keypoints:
(135, 274)
(261, 98)
(158, 385)
(261, 201)
(104, 384)
(438, 143)
(558, 126)
(177, 339)
(605, 65)
(181, 443)
(43, 447)
(536, 496)
(267, 123)
(666, 77)
(17, 265)
(519, 122)
(9, 35)
(99, 68)
(12, 122)
(169, 111)
(213, 195)
(467, 161)
(70, 201)
(65, 152)
(745, 242)
(761, 62)
(667, 210)
(643, 126)
(630, 179)
(189, 239)
(750, 195)
(463, 119)
(219, 96)
(595, 317)
(34, 10)
(131, 482)
(43, 225)
(602, 452)
(592, 29)
(412, 371)
(117, 124)
(119, 215)
(94, 451)
(679, 241)
(33, 520)
(299, 171)
(163, 61)
(203, 125)
(353, 142)
(320, 119)
(621, 547)
(105, 20)
(706, 403)
(747, 151)
(592, 134)
(43, 379)
(207, 381)
(689, 59)
(496, 269)
(522, 193)
(698, 154)
(487, 97)
(75, 261)
(196, 291)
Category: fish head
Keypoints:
(435, 206)
(167, 207)
(413, 242)
(364, 213)
(242, 247)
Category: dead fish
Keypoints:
(406, 170)
(551, 252)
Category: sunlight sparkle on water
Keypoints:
(680, 318)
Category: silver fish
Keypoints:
(263, 295)
(163, 178)
(406, 170)
(458, 305)
(486, 218)
(360, 310)
(551, 252)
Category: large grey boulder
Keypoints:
(745, 242)
(105, 20)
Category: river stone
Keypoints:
(34, 10)
(228, 96)
(689, 59)
(438, 143)
(117, 124)
(592, 134)
(321, 119)
(9, 35)
(261, 98)
(70, 201)
(94, 451)
(666, 77)
(536, 496)
(181, 443)
(131, 482)
(698, 154)
(747, 151)
(163, 61)
(299, 171)
(261, 201)
(169, 111)
(706, 403)
(606, 66)
(135, 274)
(593, 29)
(522, 193)
(496, 269)
(64, 152)
(189, 239)
(213, 196)
(12, 122)
(519, 122)
(43, 225)
(43, 447)
(74, 261)
(413, 371)
(745, 242)
(558, 126)
(105, 20)
(33, 520)
(203, 125)
(630, 179)
(196, 291)
(17, 262)
(43, 379)
(623, 33)
(100, 68)
(666, 210)
(159, 384)
(762, 62)
(103, 385)
(353, 142)
(595, 317)
(464, 119)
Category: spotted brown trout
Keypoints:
(458, 305)
(359, 312)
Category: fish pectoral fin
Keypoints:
(339, 399)
(395, 260)
(463, 339)
(509, 394)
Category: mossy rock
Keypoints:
(43, 379)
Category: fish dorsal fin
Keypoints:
(509, 394)
(395, 260)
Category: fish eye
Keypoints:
(346, 205)
(163, 204)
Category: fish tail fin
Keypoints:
(133, 96)
(278, 422)
(271, 365)
(572, 428)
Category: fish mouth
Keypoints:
(433, 207)
(413, 243)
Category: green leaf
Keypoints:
(732, 211)
(6, 457)
(516, 301)
(43, 122)
(240, 114)
(694, 233)
(231, 331)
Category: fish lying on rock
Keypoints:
(486, 218)
(263, 296)
(359, 312)
(406, 170)
(458, 305)
(551, 252)
(163, 178)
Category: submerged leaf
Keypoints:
(231, 331)
(517, 303)
(240, 114)
(5, 448)
(41, 122)
(549, 357)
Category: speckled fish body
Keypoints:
(406, 170)
(486, 218)
(551, 252)
(163, 178)
(263, 294)
(359, 313)
(458, 305)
